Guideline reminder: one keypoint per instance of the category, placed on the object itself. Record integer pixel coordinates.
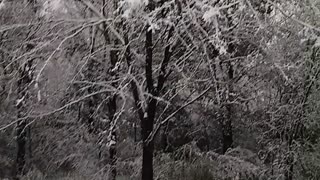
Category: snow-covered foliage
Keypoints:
(132, 7)
(211, 13)
(189, 81)
(57, 8)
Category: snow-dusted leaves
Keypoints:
(153, 27)
(210, 14)
(317, 43)
(131, 7)
(219, 43)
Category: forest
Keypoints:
(160, 89)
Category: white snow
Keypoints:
(132, 5)
(317, 43)
(213, 11)
(2, 4)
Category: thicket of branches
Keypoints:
(167, 89)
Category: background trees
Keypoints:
(159, 89)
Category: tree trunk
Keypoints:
(148, 148)
(227, 136)
(112, 104)
(90, 105)
(25, 78)
(148, 117)
(135, 132)
(148, 144)
(23, 84)
(147, 161)
(113, 156)
(227, 122)
(112, 107)
(21, 144)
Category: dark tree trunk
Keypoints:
(147, 161)
(164, 138)
(25, 78)
(112, 103)
(90, 105)
(147, 121)
(113, 155)
(3, 67)
(29, 141)
(227, 122)
(112, 106)
(148, 144)
(21, 143)
(26, 75)
(227, 140)
(148, 117)
(135, 132)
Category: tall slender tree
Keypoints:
(24, 81)
(25, 71)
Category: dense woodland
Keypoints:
(160, 89)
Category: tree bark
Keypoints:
(23, 83)
(147, 114)
(227, 136)
(21, 144)
(227, 122)
(90, 104)
(147, 161)
(112, 106)
(148, 119)
(25, 79)
(148, 146)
